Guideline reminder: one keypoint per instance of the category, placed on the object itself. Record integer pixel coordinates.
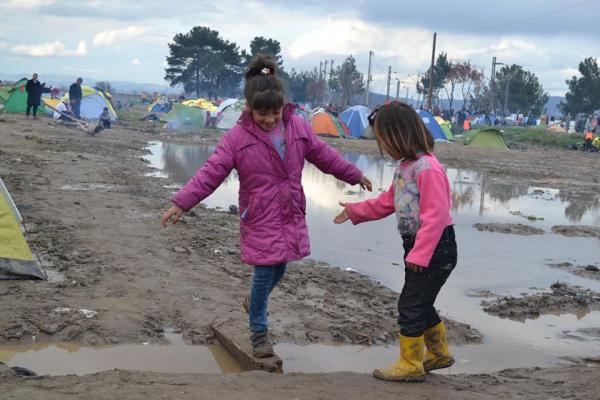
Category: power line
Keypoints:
(520, 21)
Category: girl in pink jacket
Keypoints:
(267, 147)
(420, 198)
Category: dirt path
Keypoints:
(526, 384)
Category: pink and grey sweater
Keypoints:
(420, 198)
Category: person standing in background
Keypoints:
(75, 96)
(34, 95)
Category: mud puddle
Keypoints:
(66, 358)
(503, 264)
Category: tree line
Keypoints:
(206, 63)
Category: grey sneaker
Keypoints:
(262, 346)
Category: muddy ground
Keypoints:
(93, 217)
(512, 229)
(561, 299)
(589, 271)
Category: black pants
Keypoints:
(105, 123)
(416, 311)
(28, 110)
(587, 145)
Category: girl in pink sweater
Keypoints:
(420, 198)
(267, 147)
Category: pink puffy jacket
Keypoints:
(271, 198)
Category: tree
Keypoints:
(440, 71)
(300, 85)
(202, 60)
(261, 44)
(347, 80)
(463, 75)
(520, 90)
(584, 91)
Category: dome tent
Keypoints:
(14, 98)
(446, 127)
(490, 138)
(434, 128)
(93, 103)
(355, 118)
(325, 124)
(230, 115)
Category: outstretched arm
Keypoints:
(372, 209)
(208, 178)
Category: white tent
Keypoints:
(231, 114)
(93, 103)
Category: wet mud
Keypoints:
(590, 271)
(577, 231)
(561, 299)
(512, 229)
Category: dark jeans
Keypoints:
(263, 282)
(587, 145)
(76, 108)
(105, 123)
(416, 311)
(28, 110)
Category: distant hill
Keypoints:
(63, 81)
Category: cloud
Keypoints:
(49, 49)
(28, 3)
(107, 38)
(136, 62)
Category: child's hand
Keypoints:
(414, 267)
(343, 216)
(366, 184)
(173, 211)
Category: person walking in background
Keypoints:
(34, 95)
(75, 96)
(467, 125)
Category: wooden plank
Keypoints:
(235, 337)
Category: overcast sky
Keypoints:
(127, 39)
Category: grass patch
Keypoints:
(539, 136)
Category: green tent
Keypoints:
(490, 138)
(16, 98)
(16, 259)
(184, 116)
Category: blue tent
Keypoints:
(355, 118)
(434, 128)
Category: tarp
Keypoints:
(184, 116)
(16, 259)
(434, 128)
(325, 124)
(355, 118)
(230, 115)
(446, 127)
(16, 98)
(488, 138)
(200, 103)
(92, 104)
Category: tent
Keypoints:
(161, 105)
(446, 127)
(434, 128)
(184, 116)
(488, 138)
(368, 133)
(16, 259)
(200, 103)
(230, 115)
(92, 104)
(14, 98)
(226, 103)
(355, 118)
(325, 124)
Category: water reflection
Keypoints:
(473, 193)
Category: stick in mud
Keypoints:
(86, 126)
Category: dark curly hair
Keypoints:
(263, 89)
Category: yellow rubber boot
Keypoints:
(437, 355)
(409, 367)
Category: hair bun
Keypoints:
(262, 64)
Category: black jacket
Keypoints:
(34, 92)
(75, 92)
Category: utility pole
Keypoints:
(369, 77)
(330, 79)
(398, 89)
(506, 96)
(388, 82)
(407, 93)
(320, 70)
(431, 73)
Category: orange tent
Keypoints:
(326, 124)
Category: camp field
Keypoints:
(92, 205)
